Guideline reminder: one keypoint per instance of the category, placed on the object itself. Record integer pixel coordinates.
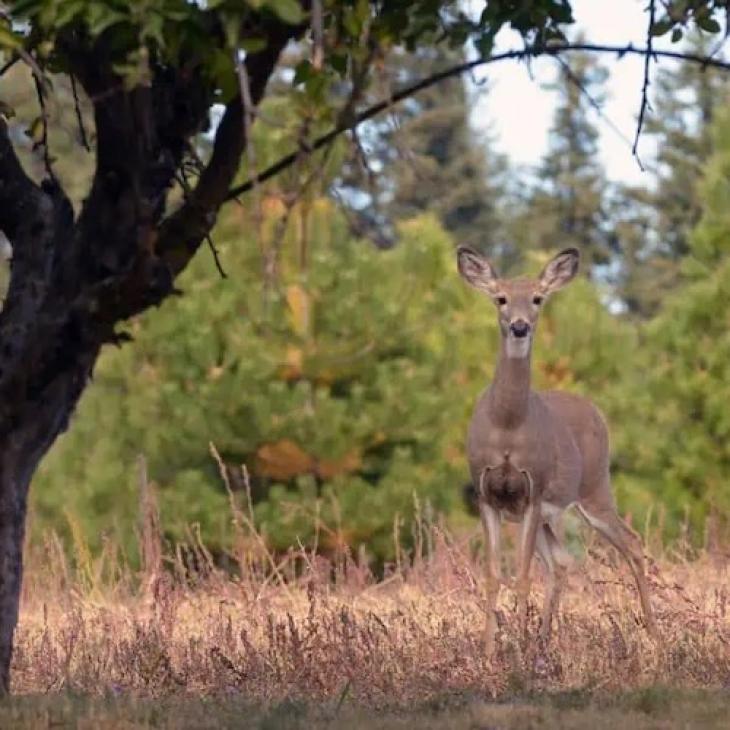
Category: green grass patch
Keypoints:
(647, 709)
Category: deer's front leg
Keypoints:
(528, 536)
(490, 523)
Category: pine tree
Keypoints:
(674, 446)
(429, 158)
(683, 111)
(567, 205)
(654, 224)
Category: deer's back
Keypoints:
(588, 429)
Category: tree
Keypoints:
(425, 156)
(674, 439)
(568, 205)
(329, 389)
(152, 71)
(655, 225)
(683, 109)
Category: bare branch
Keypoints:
(183, 231)
(8, 65)
(594, 103)
(79, 117)
(186, 189)
(409, 91)
(645, 87)
(317, 35)
(40, 93)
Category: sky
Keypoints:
(518, 112)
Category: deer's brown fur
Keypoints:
(534, 454)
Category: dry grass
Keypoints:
(307, 641)
(331, 634)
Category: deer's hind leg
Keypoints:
(601, 514)
(556, 562)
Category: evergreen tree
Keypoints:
(427, 157)
(346, 393)
(567, 205)
(654, 224)
(674, 444)
(684, 108)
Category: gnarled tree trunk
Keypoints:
(73, 279)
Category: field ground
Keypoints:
(305, 641)
(655, 708)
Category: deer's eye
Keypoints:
(537, 300)
(501, 301)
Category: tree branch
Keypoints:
(18, 193)
(79, 116)
(182, 233)
(426, 83)
(645, 87)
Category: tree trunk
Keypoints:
(73, 279)
(20, 452)
(13, 496)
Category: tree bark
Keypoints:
(13, 499)
(73, 280)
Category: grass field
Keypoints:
(656, 708)
(312, 642)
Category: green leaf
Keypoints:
(27, 8)
(232, 28)
(485, 44)
(661, 27)
(253, 45)
(302, 72)
(290, 11)
(68, 11)
(338, 61)
(8, 39)
(710, 25)
(99, 18)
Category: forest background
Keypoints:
(334, 367)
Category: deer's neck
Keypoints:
(510, 391)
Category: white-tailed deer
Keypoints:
(534, 454)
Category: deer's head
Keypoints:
(518, 301)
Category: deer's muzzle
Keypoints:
(520, 328)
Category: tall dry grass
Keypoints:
(302, 627)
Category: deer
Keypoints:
(532, 455)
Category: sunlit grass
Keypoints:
(298, 640)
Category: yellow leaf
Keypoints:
(273, 206)
(35, 131)
(293, 364)
(299, 307)
(8, 39)
(215, 372)
(330, 468)
(283, 460)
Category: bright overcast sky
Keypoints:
(519, 112)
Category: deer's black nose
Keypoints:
(520, 328)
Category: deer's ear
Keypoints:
(560, 270)
(476, 270)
